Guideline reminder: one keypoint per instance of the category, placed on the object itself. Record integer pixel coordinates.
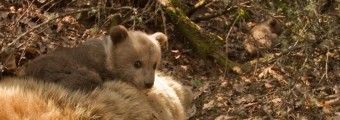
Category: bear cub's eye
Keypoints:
(154, 66)
(137, 64)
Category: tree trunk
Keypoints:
(205, 44)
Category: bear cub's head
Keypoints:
(133, 56)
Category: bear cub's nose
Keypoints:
(148, 84)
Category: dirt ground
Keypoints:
(298, 80)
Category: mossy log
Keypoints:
(205, 44)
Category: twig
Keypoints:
(272, 60)
(227, 9)
(226, 40)
(269, 115)
(326, 66)
(197, 6)
(332, 102)
(198, 19)
(164, 26)
(231, 28)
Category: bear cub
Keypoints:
(131, 56)
(265, 36)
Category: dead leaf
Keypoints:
(3, 15)
(209, 105)
(237, 69)
(250, 98)
(267, 85)
(184, 67)
(8, 61)
(278, 76)
(249, 105)
(239, 87)
(301, 117)
(191, 112)
(224, 84)
(264, 73)
(246, 99)
(177, 56)
(269, 71)
(60, 26)
(1, 68)
(241, 100)
(225, 117)
(332, 102)
(12, 9)
(175, 51)
(276, 100)
(326, 110)
(42, 1)
(201, 90)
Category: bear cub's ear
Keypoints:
(271, 22)
(118, 33)
(160, 37)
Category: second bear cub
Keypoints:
(123, 54)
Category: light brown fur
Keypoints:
(31, 99)
(114, 100)
(170, 99)
(95, 61)
(265, 36)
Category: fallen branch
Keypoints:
(335, 101)
(197, 6)
(229, 8)
(205, 44)
(210, 16)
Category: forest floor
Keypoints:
(299, 80)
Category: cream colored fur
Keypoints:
(170, 99)
(115, 100)
(32, 100)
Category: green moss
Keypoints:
(205, 44)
